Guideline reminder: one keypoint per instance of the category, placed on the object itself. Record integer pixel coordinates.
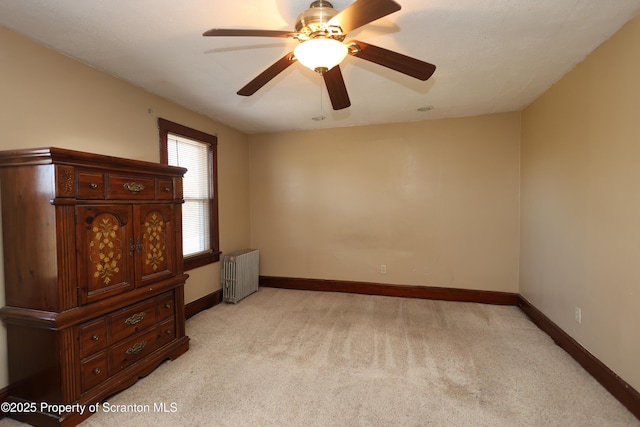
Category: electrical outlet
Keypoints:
(578, 314)
(383, 269)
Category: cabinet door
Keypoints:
(155, 242)
(105, 251)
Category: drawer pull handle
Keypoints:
(167, 189)
(135, 319)
(133, 187)
(169, 332)
(136, 348)
(95, 337)
(97, 371)
(167, 306)
(93, 185)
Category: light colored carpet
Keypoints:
(299, 358)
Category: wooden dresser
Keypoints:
(93, 274)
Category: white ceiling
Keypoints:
(492, 55)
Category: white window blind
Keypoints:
(194, 156)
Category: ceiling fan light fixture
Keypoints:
(321, 54)
(321, 31)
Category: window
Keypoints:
(196, 151)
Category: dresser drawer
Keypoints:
(131, 320)
(131, 187)
(94, 370)
(165, 306)
(133, 349)
(165, 189)
(91, 185)
(93, 337)
(166, 332)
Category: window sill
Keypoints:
(200, 260)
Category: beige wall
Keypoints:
(581, 203)
(50, 100)
(434, 201)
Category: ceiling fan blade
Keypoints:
(396, 61)
(219, 32)
(336, 88)
(362, 12)
(268, 74)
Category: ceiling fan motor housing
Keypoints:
(312, 23)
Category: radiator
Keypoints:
(239, 274)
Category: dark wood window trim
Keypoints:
(165, 127)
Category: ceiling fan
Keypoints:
(321, 31)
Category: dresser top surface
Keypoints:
(55, 155)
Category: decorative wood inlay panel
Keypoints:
(105, 248)
(65, 181)
(155, 239)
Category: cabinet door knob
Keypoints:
(167, 189)
(167, 306)
(93, 185)
(97, 371)
(169, 331)
(95, 337)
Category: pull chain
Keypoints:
(321, 116)
(320, 95)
